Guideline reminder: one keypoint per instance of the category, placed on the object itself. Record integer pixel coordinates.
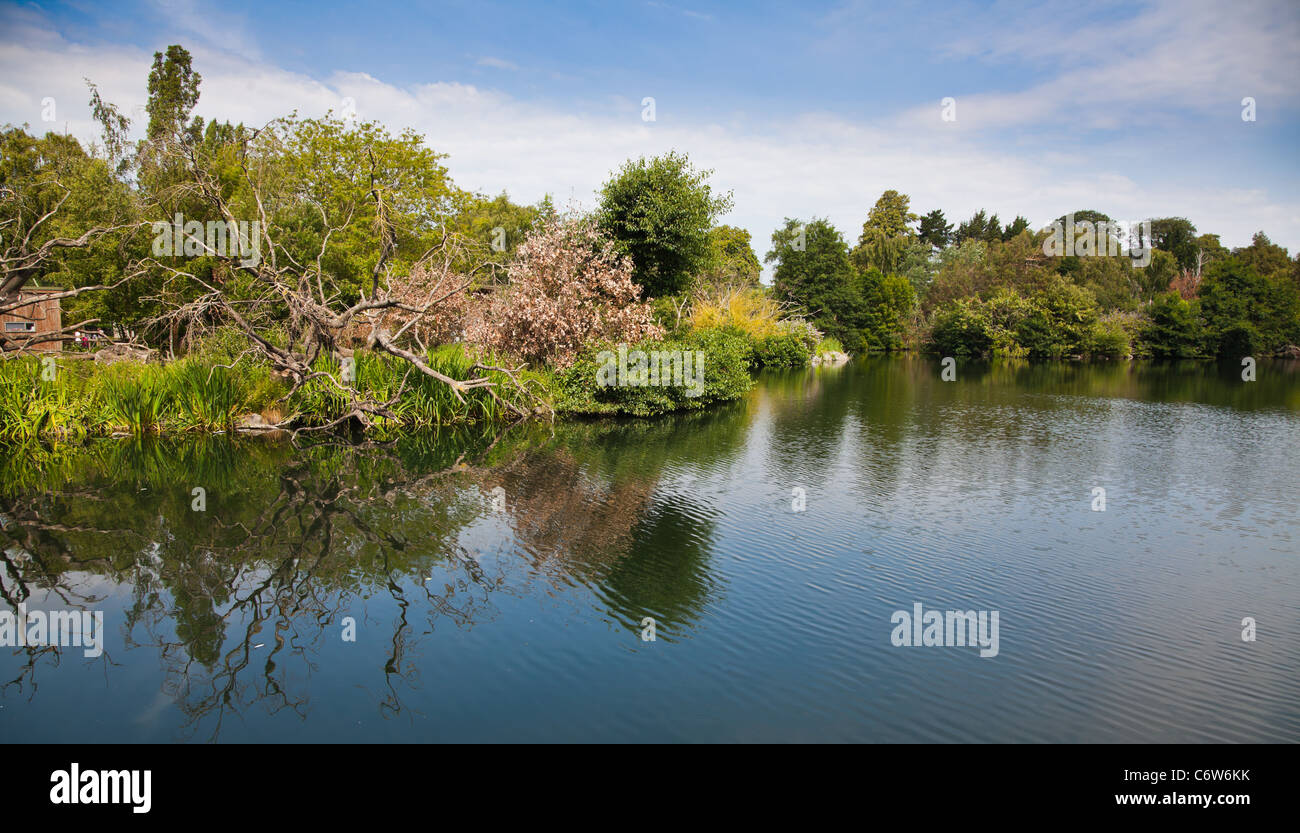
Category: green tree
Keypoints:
(887, 302)
(1062, 322)
(1263, 255)
(1013, 230)
(979, 227)
(886, 234)
(1173, 330)
(813, 271)
(890, 216)
(173, 91)
(497, 223)
(1246, 313)
(1177, 236)
(935, 229)
(732, 259)
(659, 212)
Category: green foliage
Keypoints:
(962, 328)
(32, 408)
(813, 272)
(421, 402)
(1018, 225)
(935, 229)
(208, 396)
(1173, 330)
(1177, 237)
(1264, 256)
(725, 377)
(732, 259)
(979, 227)
(886, 235)
(828, 344)
(136, 397)
(890, 216)
(1245, 313)
(659, 212)
(783, 350)
(887, 303)
(173, 90)
(498, 220)
(1058, 322)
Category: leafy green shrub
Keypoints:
(784, 350)
(1061, 322)
(1109, 339)
(1173, 330)
(604, 378)
(961, 328)
(828, 344)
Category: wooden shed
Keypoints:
(43, 315)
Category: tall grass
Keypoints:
(208, 396)
(199, 393)
(32, 406)
(137, 397)
(424, 402)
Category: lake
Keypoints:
(478, 587)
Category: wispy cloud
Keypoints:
(496, 63)
(681, 11)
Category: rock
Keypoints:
(251, 422)
(833, 357)
(121, 352)
(1291, 351)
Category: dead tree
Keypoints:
(21, 261)
(392, 313)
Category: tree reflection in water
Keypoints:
(295, 539)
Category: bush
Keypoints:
(887, 302)
(1061, 324)
(1109, 339)
(961, 328)
(568, 287)
(1173, 331)
(828, 344)
(752, 312)
(724, 377)
(783, 350)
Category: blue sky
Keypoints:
(801, 109)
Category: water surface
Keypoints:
(498, 584)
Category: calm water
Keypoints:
(517, 614)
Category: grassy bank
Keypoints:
(202, 393)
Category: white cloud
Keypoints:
(818, 164)
(496, 63)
